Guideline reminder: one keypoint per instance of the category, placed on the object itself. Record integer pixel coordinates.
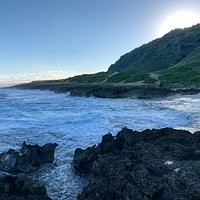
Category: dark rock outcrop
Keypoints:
(103, 90)
(21, 188)
(150, 165)
(108, 90)
(28, 158)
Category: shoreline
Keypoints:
(192, 96)
(105, 90)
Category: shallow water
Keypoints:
(42, 116)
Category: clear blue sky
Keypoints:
(77, 35)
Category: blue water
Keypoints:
(42, 116)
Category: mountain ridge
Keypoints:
(159, 58)
(160, 53)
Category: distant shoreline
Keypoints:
(108, 90)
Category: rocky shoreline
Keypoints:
(149, 165)
(106, 90)
(157, 164)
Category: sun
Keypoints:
(181, 19)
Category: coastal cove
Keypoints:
(40, 117)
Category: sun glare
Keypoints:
(181, 19)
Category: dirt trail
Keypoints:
(155, 76)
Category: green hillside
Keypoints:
(160, 53)
(174, 58)
(186, 72)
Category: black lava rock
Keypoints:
(149, 165)
(21, 188)
(28, 158)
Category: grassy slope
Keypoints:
(126, 76)
(88, 78)
(186, 72)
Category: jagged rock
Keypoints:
(150, 165)
(21, 188)
(27, 159)
(84, 159)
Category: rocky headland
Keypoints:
(149, 165)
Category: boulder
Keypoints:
(28, 158)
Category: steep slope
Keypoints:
(186, 72)
(160, 53)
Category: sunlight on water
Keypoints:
(41, 117)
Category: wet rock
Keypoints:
(84, 159)
(150, 165)
(28, 158)
(21, 188)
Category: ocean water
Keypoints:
(40, 117)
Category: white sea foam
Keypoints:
(41, 117)
(177, 169)
(168, 162)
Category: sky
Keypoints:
(49, 39)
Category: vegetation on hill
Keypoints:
(174, 58)
(127, 76)
(160, 53)
(186, 72)
(89, 78)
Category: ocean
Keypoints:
(40, 117)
